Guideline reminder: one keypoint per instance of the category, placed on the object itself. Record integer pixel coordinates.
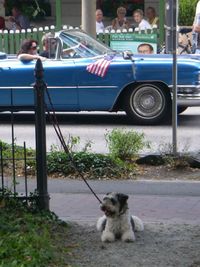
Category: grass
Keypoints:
(31, 238)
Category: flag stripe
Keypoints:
(100, 66)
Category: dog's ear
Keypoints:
(122, 200)
(122, 197)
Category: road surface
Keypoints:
(93, 127)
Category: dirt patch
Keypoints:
(163, 172)
(160, 245)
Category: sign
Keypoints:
(130, 41)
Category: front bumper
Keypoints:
(187, 95)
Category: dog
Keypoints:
(117, 223)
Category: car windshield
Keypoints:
(81, 44)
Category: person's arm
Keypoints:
(114, 22)
(196, 28)
(128, 24)
(196, 25)
(30, 57)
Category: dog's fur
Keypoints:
(117, 223)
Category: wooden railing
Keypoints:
(10, 41)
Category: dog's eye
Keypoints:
(113, 201)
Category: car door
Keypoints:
(17, 79)
(100, 93)
(60, 78)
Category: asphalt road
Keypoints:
(93, 127)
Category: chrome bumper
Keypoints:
(189, 101)
(187, 95)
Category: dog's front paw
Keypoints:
(128, 236)
(107, 237)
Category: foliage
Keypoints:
(109, 7)
(95, 164)
(33, 9)
(29, 238)
(9, 150)
(174, 161)
(125, 145)
(187, 12)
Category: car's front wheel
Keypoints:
(148, 104)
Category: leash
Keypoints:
(54, 121)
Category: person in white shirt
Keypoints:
(138, 16)
(99, 21)
(196, 31)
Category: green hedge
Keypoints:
(187, 12)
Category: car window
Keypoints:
(79, 44)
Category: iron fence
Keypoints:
(10, 156)
(9, 162)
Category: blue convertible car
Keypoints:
(85, 75)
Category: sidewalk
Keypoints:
(164, 202)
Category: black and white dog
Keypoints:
(117, 223)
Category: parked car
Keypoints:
(85, 75)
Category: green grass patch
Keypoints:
(31, 238)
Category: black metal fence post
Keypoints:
(40, 125)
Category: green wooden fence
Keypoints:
(10, 41)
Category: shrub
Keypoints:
(125, 145)
(178, 161)
(187, 12)
(94, 164)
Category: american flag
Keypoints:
(100, 66)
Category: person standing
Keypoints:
(196, 31)
(99, 21)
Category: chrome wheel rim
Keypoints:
(147, 101)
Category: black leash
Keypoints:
(54, 121)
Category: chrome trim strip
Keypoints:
(98, 86)
(31, 87)
(181, 95)
(56, 87)
(185, 86)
